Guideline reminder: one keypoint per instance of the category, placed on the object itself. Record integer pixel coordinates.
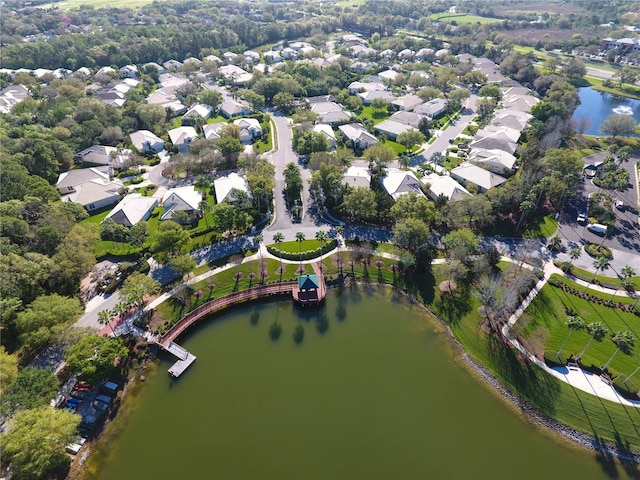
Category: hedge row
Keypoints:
(625, 307)
(307, 255)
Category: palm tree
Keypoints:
(211, 286)
(627, 272)
(597, 330)
(258, 239)
(624, 341)
(105, 317)
(554, 243)
(322, 237)
(575, 254)
(278, 238)
(300, 237)
(573, 323)
(205, 208)
(119, 309)
(601, 263)
(202, 183)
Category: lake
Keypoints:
(597, 106)
(380, 394)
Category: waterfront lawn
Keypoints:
(558, 400)
(545, 319)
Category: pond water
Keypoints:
(597, 106)
(379, 394)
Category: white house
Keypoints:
(11, 96)
(497, 138)
(90, 187)
(231, 108)
(391, 129)
(498, 161)
(407, 103)
(145, 141)
(328, 133)
(358, 136)
(181, 137)
(192, 115)
(400, 182)
(185, 199)
(432, 109)
(132, 209)
(104, 155)
(468, 172)
(357, 177)
(211, 131)
(368, 97)
(329, 112)
(444, 186)
(129, 71)
(272, 57)
(250, 129)
(225, 186)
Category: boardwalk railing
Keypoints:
(258, 291)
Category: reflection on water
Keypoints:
(596, 106)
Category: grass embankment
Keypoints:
(556, 399)
(608, 282)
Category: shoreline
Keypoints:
(546, 424)
(550, 426)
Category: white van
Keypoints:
(597, 228)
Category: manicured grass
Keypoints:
(295, 247)
(546, 318)
(396, 147)
(376, 115)
(625, 91)
(541, 227)
(594, 293)
(603, 279)
(217, 119)
(261, 146)
(462, 18)
(558, 400)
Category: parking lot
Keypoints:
(626, 236)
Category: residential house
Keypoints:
(167, 99)
(181, 199)
(229, 57)
(425, 53)
(391, 129)
(432, 109)
(90, 187)
(623, 46)
(103, 155)
(328, 133)
(235, 74)
(496, 138)
(368, 97)
(272, 57)
(357, 177)
(251, 56)
(388, 75)
(192, 61)
(144, 141)
(11, 96)
(468, 172)
(129, 71)
(181, 137)
(406, 54)
(170, 82)
(400, 182)
(444, 186)
(498, 161)
(172, 65)
(362, 51)
(360, 67)
(225, 187)
(408, 118)
(358, 136)
(330, 112)
(195, 113)
(407, 102)
(250, 129)
(510, 118)
(358, 87)
(158, 67)
(289, 53)
(523, 103)
(231, 108)
(132, 209)
(211, 131)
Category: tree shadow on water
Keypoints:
(626, 457)
(605, 457)
(530, 381)
(254, 317)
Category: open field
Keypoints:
(462, 18)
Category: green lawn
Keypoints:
(217, 119)
(396, 147)
(544, 320)
(295, 247)
(602, 279)
(462, 18)
(541, 226)
(268, 145)
(376, 115)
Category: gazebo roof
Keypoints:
(308, 281)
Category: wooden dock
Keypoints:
(185, 359)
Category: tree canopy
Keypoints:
(95, 357)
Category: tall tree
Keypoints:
(33, 387)
(573, 323)
(95, 357)
(618, 125)
(600, 263)
(597, 331)
(35, 443)
(300, 237)
(411, 233)
(624, 340)
(278, 238)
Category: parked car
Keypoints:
(582, 218)
(597, 228)
(620, 205)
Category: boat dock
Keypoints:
(185, 359)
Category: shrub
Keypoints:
(595, 250)
(307, 255)
(136, 180)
